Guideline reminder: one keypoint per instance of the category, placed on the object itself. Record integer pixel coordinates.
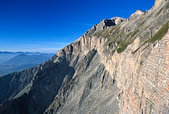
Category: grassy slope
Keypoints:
(158, 36)
(118, 35)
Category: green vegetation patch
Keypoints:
(122, 48)
(128, 40)
(167, 6)
(134, 33)
(107, 33)
(159, 11)
(158, 36)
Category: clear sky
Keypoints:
(48, 25)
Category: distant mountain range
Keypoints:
(119, 66)
(20, 52)
(17, 61)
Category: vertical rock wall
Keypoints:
(143, 78)
(158, 2)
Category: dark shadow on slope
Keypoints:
(45, 86)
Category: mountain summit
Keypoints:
(119, 66)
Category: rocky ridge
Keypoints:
(159, 2)
(113, 68)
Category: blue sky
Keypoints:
(49, 25)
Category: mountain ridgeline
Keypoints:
(119, 66)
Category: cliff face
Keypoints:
(118, 66)
(159, 2)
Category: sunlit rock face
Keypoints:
(159, 2)
(120, 66)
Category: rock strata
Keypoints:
(159, 2)
(117, 67)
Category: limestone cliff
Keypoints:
(120, 66)
(159, 2)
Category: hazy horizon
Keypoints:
(48, 26)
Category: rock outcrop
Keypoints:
(159, 2)
(138, 13)
(104, 24)
(118, 66)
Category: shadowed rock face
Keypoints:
(92, 90)
(117, 68)
(83, 77)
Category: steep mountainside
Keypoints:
(118, 66)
